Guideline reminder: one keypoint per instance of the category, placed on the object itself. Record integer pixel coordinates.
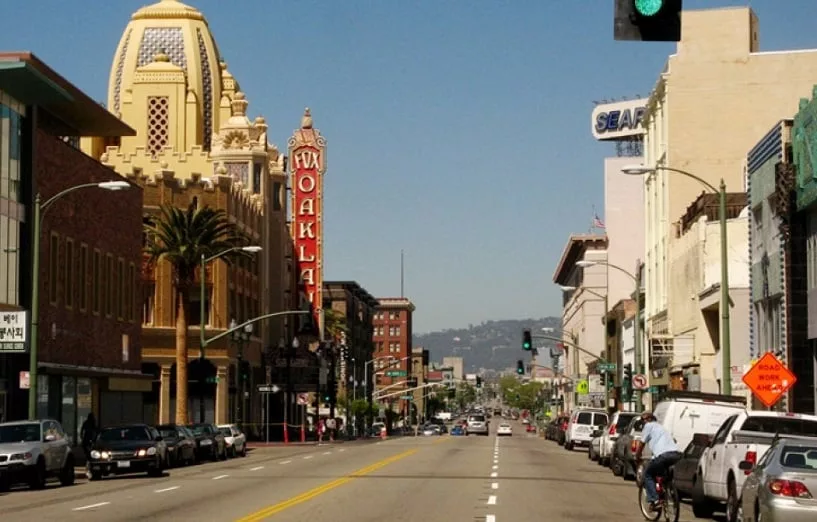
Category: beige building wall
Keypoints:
(624, 226)
(695, 264)
(716, 95)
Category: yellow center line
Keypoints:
(312, 493)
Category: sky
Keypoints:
(458, 131)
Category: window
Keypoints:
(82, 277)
(98, 283)
(148, 293)
(257, 170)
(131, 285)
(68, 273)
(393, 316)
(110, 285)
(120, 283)
(277, 196)
(53, 268)
(394, 331)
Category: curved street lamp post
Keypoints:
(726, 339)
(40, 208)
(240, 337)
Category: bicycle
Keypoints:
(669, 504)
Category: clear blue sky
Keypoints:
(457, 130)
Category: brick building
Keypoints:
(89, 337)
(357, 306)
(392, 329)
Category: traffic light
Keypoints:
(479, 381)
(527, 341)
(411, 382)
(520, 367)
(648, 20)
(603, 378)
(628, 372)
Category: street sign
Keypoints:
(407, 397)
(396, 373)
(607, 367)
(769, 379)
(268, 388)
(583, 387)
(640, 381)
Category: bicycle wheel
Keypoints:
(672, 504)
(644, 506)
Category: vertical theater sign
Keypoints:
(307, 163)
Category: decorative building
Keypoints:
(392, 329)
(419, 370)
(719, 70)
(89, 341)
(774, 319)
(194, 139)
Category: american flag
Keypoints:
(597, 222)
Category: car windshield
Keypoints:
(476, 418)
(29, 432)
(121, 434)
(504, 425)
(226, 432)
(200, 429)
(168, 433)
(584, 417)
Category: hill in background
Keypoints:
(495, 345)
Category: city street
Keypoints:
(518, 478)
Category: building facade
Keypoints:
(419, 370)
(357, 307)
(392, 335)
(90, 250)
(774, 321)
(623, 208)
(194, 139)
(717, 70)
(584, 306)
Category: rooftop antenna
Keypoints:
(402, 274)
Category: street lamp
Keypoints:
(565, 288)
(203, 311)
(240, 337)
(636, 322)
(726, 338)
(40, 208)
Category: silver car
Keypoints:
(32, 451)
(477, 424)
(783, 483)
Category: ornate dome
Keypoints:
(180, 32)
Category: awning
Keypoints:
(91, 371)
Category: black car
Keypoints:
(181, 444)
(210, 441)
(135, 448)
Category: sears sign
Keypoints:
(619, 120)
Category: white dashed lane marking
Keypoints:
(286, 461)
(492, 500)
(91, 506)
(165, 490)
(495, 485)
(256, 468)
(220, 477)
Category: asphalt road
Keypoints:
(519, 478)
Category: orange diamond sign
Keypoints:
(769, 379)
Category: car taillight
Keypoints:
(789, 488)
(564, 426)
(751, 456)
(612, 430)
(634, 446)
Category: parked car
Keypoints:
(235, 440)
(134, 448)
(33, 451)
(685, 471)
(782, 485)
(618, 422)
(210, 442)
(583, 422)
(622, 461)
(181, 444)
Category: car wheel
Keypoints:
(67, 474)
(37, 480)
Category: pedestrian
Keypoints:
(321, 429)
(330, 427)
(88, 433)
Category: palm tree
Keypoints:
(181, 237)
(334, 324)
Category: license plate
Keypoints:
(583, 429)
(123, 464)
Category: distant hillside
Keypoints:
(494, 345)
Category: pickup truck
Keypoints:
(744, 436)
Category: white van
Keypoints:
(583, 422)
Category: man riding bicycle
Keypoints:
(665, 453)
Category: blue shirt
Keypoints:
(659, 440)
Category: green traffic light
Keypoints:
(648, 7)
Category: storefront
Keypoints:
(69, 395)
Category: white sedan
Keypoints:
(504, 429)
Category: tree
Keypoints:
(466, 395)
(182, 237)
(524, 396)
(334, 324)
(434, 404)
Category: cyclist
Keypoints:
(665, 453)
